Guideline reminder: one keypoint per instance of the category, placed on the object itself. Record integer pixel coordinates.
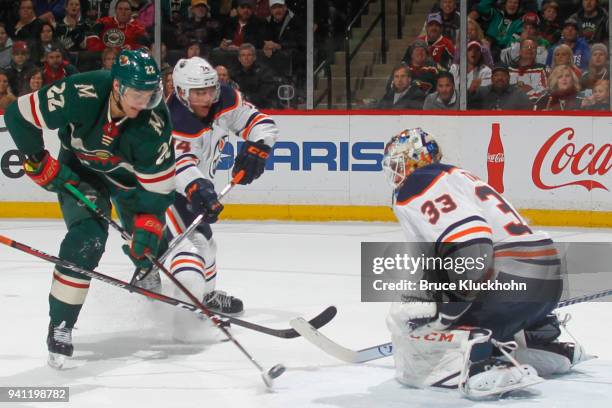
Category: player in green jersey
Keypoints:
(115, 135)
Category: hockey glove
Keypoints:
(145, 239)
(251, 159)
(420, 318)
(49, 173)
(203, 200)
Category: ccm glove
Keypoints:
(251, 160)
(48, 173)
(147, 234)
(203, 200)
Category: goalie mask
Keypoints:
(406, 152)
(194, 73)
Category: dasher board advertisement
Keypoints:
(539, 162)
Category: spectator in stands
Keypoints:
(49, 10)
(563, 56)
(600, 99)
(256, 82)
(120, 31)
(479, 74)
(562, 93)
(20, 65)
(200, 28)
(108, 57)
(598, 67)
(97, 9)
(6, 47)
(500, 95)
(592, 22)
(28, 26)
(244, 28)
(440, 48)
(175, 11)
(445, 97)
(286, 31)
(527, 73)
(475, 33)
(451, 19)
(550, 26)
(578, 45)
(56, 67)
(504, 24)
(43, 44)
(225, 78)
(34, 80)
(6, 96)
(261, 8)
(72, 29)
(193, 49)
(403, 93)
(423, 71)
(511, 54)
(168, 84)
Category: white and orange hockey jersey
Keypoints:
(198, 143)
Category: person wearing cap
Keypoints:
(504, 24)
(175, 11)
(440, 48)
(20, 65)
(199, 27)
(55, 66)
(445, 97)
(500, 95)
(451, 19)
(245, 27)
(527, 73)
(569, 37)
(119, 31)
(592, 22)
(531, 22)
(479, 74)
(598, 66)
(550, 26)
(403, 93)
(423, 69)
(286, 30)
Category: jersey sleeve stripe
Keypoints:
(526, 254)
(422, 193)
(468, 231)
(187, 261)
(190, 135)
(161, 183)
(455, 225)
(182, 169)
(231, 108)
(175, 225)
(186, 160)
(25, 108)
(247, 130)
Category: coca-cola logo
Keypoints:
(586, 160)
(495, 158)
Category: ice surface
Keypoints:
(125, 355)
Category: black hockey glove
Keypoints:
(203, 200)
(251, 160)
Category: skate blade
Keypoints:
(56, 361)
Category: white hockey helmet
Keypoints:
(406, 152)
(194, 73)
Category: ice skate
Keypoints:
(59, 344)
(220, 302)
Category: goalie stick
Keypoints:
(334, 349)
(319, 321)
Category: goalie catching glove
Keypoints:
(49, 173)
(204, 200)
(147, 235)
(251, 160)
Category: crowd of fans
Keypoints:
(521, 54)
(257, 45)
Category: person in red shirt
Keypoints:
(120, 31)
(441, 49)
(55, 66)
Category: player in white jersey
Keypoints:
(204, 113)
(446, 337)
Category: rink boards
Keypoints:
(326, 165)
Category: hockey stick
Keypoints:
(334, 349)
(187, 233)
(318, 321)
(267, 376)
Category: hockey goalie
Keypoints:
(483, 342)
